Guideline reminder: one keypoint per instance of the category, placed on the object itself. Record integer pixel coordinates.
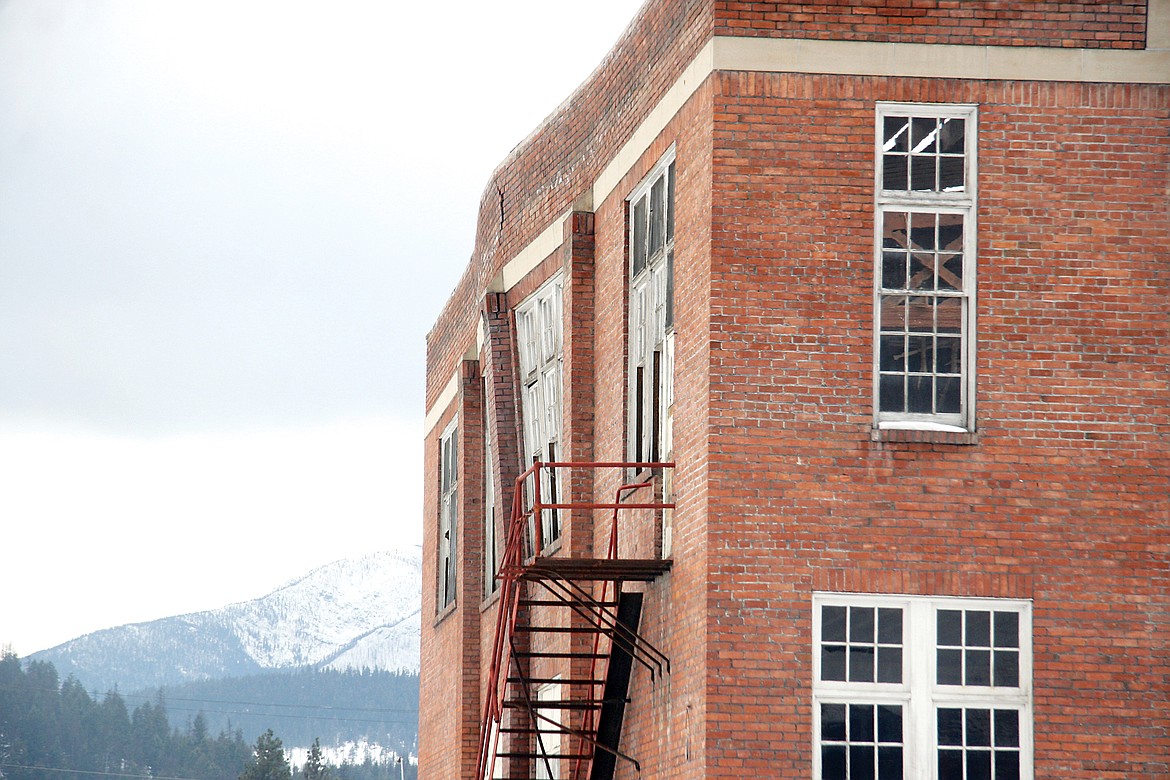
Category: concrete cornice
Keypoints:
(1000, 63)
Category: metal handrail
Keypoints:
(514, 563)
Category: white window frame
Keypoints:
(918, 693)
(493, 536)
(447, 543)
(651, 322)
(551, 735)
(961, 202)
(539, 331)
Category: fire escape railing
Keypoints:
(520, 563)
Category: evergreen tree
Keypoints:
(315, 764)
(112, 733)
(199, 728)
(269, 762)
(151, 733)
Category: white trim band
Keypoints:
(1001, 63)
(435, 413)
(530, 256)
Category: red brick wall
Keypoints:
(449, 710)
(1092, 24)
(561, 159)
(665, 720)
(1066, 497)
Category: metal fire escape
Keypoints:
(569, 725)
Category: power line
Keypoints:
(167, 699)
(291, 715)
(139, 776)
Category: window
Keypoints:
(549, 725)
(448, 514)
(920, 687)
(651, 313)
(925, 278)
(539, 332)
(493, 539)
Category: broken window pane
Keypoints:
(923, 228)
(895, 135)
(920, 346)
(657, 216)
(923, 135)
(950, 174)
(895, 234)
(952, 135)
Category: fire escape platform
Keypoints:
(612, 569)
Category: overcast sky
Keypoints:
(225, 228)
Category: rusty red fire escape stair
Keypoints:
(576, 733)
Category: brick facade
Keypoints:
(1075, 25)
(1059, 497)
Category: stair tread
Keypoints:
(635, 569)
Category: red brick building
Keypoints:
(882, 289)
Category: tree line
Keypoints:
(303, 704)
(51, 728)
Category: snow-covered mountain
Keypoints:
(355, 613)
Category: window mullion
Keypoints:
(922, 672)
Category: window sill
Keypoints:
(922, 433)
(443, 613)
(643, 475)
(490, 599)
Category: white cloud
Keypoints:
(225, 228)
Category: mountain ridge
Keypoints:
(349, 614)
